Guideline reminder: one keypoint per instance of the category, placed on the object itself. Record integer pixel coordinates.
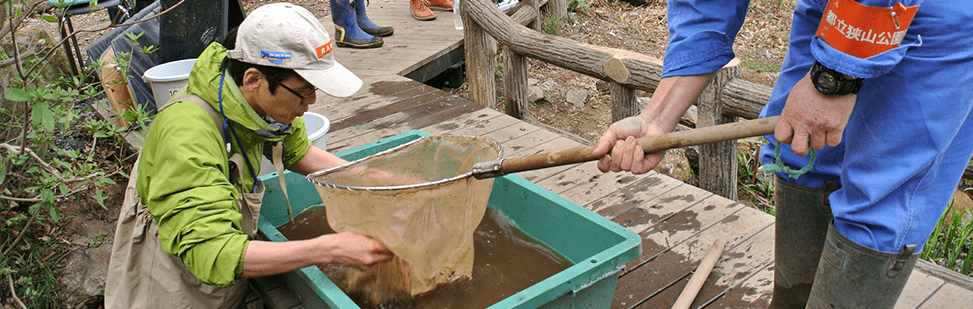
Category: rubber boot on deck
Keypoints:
(366, 24)
(802, 215)
(347, 32)
(854, 276)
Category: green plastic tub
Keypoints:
(597, 248)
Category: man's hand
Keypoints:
(355, 249)
(669, 101)
(626, 154)
(266, 258)
(810, 117)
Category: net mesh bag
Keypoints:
(420, 201)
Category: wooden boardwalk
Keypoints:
(677, 222)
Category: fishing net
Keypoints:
(421, 202)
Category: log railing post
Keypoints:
(718, 161)
(479, 61)
(515, 84)
(536, 24)
(624, 102)
(558, 9)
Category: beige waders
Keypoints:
(142, 275)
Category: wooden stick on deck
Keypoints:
(696, 281)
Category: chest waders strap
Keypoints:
(195, 99)
(277, 153)
(277, 149)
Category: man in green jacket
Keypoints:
(186, 233)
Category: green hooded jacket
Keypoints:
(183, 172)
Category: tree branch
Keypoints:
(13, 34)
(8, 62)
(14, 293)
(37, 199)
(47, 167)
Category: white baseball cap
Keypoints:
(286, 35)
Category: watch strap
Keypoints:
(843, 85)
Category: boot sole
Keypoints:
(380, 34)
(360, 46)
(440, 9)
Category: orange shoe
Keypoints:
(420, 10)
(441, 5)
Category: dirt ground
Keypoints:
(761, 46)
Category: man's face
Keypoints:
(291, 99)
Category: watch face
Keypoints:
(825, 81)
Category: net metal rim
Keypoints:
(310, 177)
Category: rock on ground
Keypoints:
(577, 97)
(85, 270)
(675, 165)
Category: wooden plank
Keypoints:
(585, 183)
(342, 110)
(513, 130)
(946, 274)
(745, 274)
(374, 95)
(480, 122)
(724, 288)
(397, 123)
(475, 122)
(673, 247)
(755, 291)
(949, 296)
(433, 99)
(440, 38)
(391, 63)
(397, 112)
(538, 141)
(650, 188)
(921, 286)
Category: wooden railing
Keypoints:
(726, 99)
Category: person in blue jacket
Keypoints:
(891, 128)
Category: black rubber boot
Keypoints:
(854, 276)
(802, 217)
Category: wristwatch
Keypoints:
(829, 81)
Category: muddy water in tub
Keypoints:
(505, 262)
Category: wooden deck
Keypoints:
(678, 222)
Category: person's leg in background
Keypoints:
(366, 24)
(420, 10)
(347, 32)
(441, 5)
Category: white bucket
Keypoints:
(317, 125)
(165, 79)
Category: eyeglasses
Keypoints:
(298, 94)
